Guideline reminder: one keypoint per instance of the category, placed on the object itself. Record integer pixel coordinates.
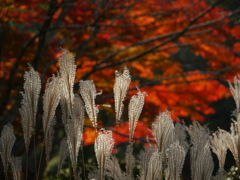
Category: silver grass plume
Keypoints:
(67, 73)
(204, 164)
(28, 110)
(150, 164)
(134, 110)
(74, 129)
(142, 160)
(220, 175)
(103, 148)
(16, 167)
(219, 147)
(113, 169)
(78, 111)
(63, 153)
(180, 135)
(232, 141)
(122, 81)
(93, 174)
(130, 161)
(235, 89)
(200, 144)
(51, 100)
(7, 141)
(163, 130)
(155, 166)
(175, 160)
(89, 93)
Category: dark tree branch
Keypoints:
(96, 25)
(81, 48)
(171, 37)
(211, 76)
(42, 38)
(84, 45)
(42, 32)
(10, 82)
(2, 35)
(65, 10)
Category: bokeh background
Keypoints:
(182, 53)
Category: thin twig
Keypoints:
(26, 165)
(69, 166)
(35, 156)
(83, 161)
(40, 161)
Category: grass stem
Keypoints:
(40, 161)
(26, 165)
(83, 162)
(35, 156)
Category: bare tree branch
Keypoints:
(10, 82)
(41, 44)
(96, 25)
(172, 36)
(210, 76)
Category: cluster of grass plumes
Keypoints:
(163, 159)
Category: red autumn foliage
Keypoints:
(148, 36)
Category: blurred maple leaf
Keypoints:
(150, 37)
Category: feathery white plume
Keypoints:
(67, 73)
(155, 166)
(74, 139)
(163, 130)
(175, 160)
(122, 81)
(7, 141)
(28, 110)
(235, 89)
(88, 93)
(113, 169)
(51, 100)
(134, 110)
(74, 130)
(219, 146)
(63, 153)
(16, 167)
(203, 163)
(233, 141)
(180, 135)
(150, 164)
(78, 111)
(103, 148)
(200, 155)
